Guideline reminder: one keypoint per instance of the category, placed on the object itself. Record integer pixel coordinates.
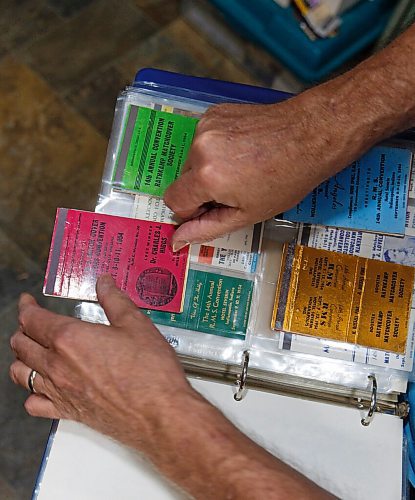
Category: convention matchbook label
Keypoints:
(344, 297)
(136, 253)
(214, 303)
(370, 195)
(153, 147)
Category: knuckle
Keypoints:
(22, 318)
(202, 143)
(203, 125)
(64, 339)
(57, 378)
(132, 315)
(31, 405)
(13, 342)
(169, 197)
(28, 408)
(207, 174)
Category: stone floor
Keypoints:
(62, 63)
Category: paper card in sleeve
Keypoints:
(152, 150)
(371, 194)
(136, 253)
(410, 221)
(237, 251)
(344, 297)
(214, 303)
(373, 246)
(233, 260)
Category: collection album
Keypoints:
(326, 291)
(317, 303)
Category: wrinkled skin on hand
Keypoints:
(249, 163)
(97, 374)
(125, 381)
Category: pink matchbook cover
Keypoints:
(135, 252)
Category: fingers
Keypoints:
(187, 195)
(20, 373)
(116, 304)
(37, 405)
(26, 300)
(37, 323)
(212, 224)
(28, 351)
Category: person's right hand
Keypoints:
(250, 162)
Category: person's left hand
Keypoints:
(118, 379)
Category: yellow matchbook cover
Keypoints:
(343, 297)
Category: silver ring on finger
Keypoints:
(31, 381)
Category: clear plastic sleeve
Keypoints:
(270, 351)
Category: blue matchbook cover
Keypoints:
(369, 195)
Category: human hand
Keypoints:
(125, 381)
(250, 162)
(117, 379)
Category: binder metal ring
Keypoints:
(241, 379)
(372, 407)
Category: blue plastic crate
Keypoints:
(278, 30)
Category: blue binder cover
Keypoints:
(192, 86)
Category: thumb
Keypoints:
(117, 305)
(26, 300)
(208, 226)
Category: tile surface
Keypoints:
(102, 32)
(160, 11)
(47, 151)
(23, 21)
(178, 47)
(95, 97)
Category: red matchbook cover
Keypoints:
(135, 252)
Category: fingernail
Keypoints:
(178, 245)
(105, 281)
(26, 299)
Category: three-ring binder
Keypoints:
(373, 399)
(243, 376)
(265, 364)
(241, 379)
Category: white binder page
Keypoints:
(325, 442)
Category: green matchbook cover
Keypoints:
(213, 303)
(153, 148)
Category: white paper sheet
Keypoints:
(325, 442)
